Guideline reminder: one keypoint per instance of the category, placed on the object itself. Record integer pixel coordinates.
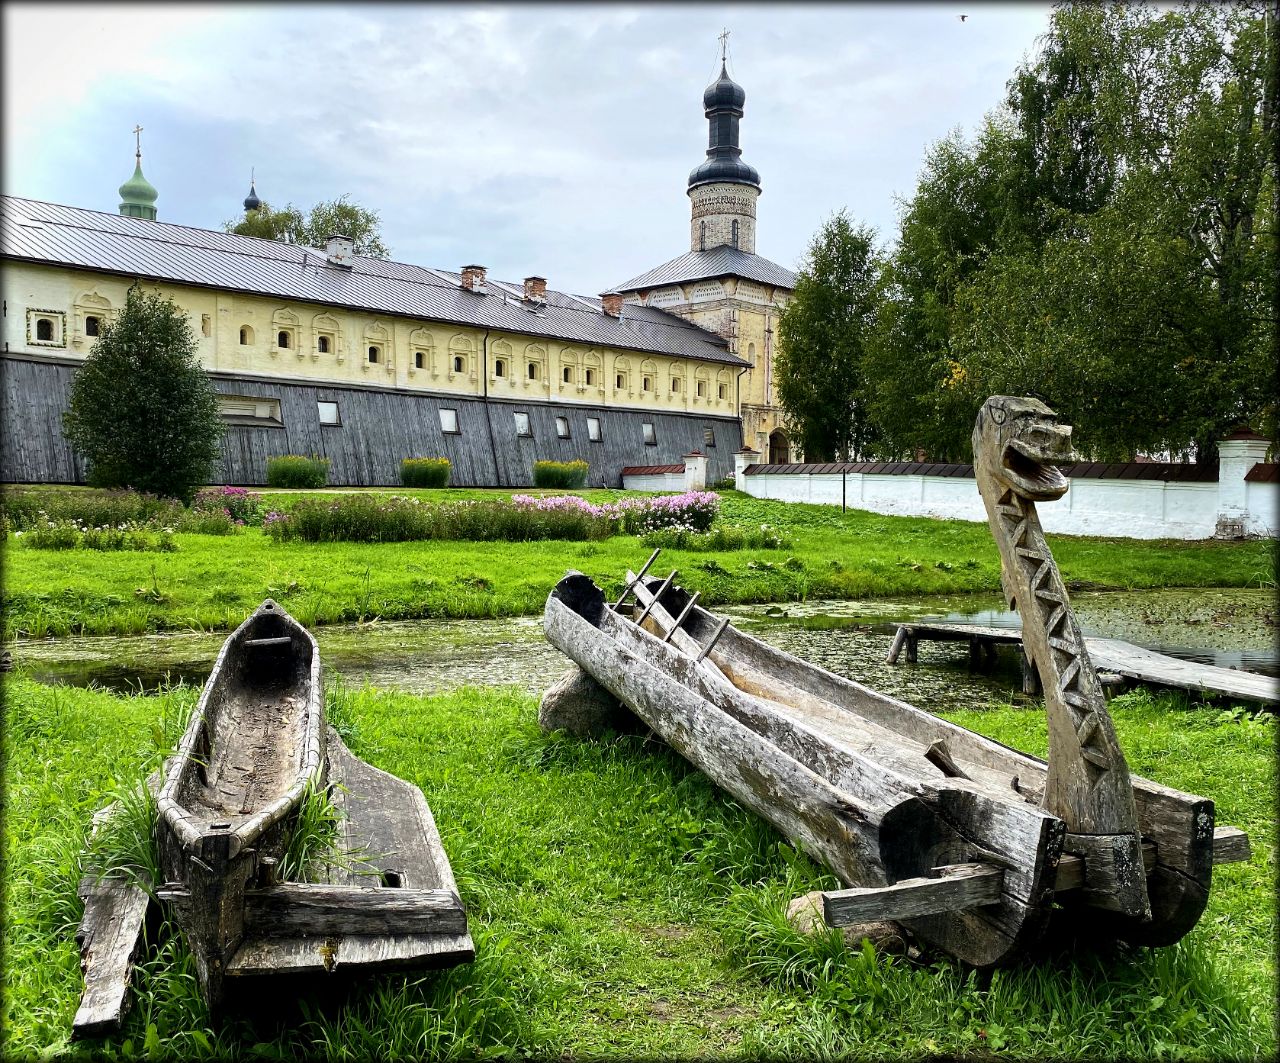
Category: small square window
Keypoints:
(522, 426)
(562, 427)
(419, 361)
(593, 429)
(328, 413)
(459, 364)
(375, 354)
(449, 422)
(322, 344)
(708, 435)
(46, 328)
(283, 341)
(650, 437)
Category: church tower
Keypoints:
(137, 195)
(723, 189)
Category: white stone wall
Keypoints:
(665, 481)
(1130, 509)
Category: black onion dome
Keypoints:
(251, 201)
(723, 102)
(723, 94)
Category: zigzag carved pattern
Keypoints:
(1054, 614)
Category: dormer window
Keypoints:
(91, 325)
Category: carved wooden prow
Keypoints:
(1017, 445)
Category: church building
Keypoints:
(368, 362)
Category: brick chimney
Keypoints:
(340, 250)
(535, 289)
(473, 278)
(611, 303)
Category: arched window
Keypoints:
(567, 374)
(675, 384)
(419, 359)
(91, 325)
(374, 354)
(500, 367)
(322, 344)
(533, 370)
(619, 381)
(44, 329)
(282, 340)
(647, 383)
(591, 377)
(722, 391)
(733, 232)
(459, 364)
(702, 236)
(246, 335)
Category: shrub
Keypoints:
(240, 504)
(561, 474)
(691, 511)
(31, 507)
(425, 472)
(293, 470)
(71, 535)
(142, 410)
(730, 538)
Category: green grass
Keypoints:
(623, 907)
(213, 582)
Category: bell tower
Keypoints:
(723, 189)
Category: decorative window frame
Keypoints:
(59, 320)
(501, 351)
(464, 347)
(724, 380)
(328, 326)
(701, 384)
(87, 305)
(421, 342)
(535, 354)
(285, 320)
(592, 364)
(622, 368)
(649, 377)
(378, 335)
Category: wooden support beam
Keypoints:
(657, 596)
(1230, 845)
(636, 579)
(282, 640)
(953, 888)
(291, 908)
(1071, 868)
(715, 637)
(899, 640)
(110, 938)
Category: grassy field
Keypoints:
(213, 582)
(623, 907)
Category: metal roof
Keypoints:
(1172, 472)
(722, 261)
(87, 239)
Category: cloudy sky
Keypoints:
(552, 140)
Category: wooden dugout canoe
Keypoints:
(229, 802)
(926, 821)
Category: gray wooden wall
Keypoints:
(379, 428)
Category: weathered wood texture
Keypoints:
(380, 428)
(1231, 845)
(860, 801)
(387, 835)
(110, 938)
(1016, 443)
(1108, 655)
(951, 888)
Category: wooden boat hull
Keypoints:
(880, 791)
(231, 790)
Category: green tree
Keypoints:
(822, 335)
(336, 216)
(143, 412)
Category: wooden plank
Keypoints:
(1230, 845)
(1071, 868)
(1114, 655)
(299, 908)
(110, 938)
(952, 888)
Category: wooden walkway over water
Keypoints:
(1113, 658)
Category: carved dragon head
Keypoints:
(1019, 443)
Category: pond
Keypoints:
(1232, 628)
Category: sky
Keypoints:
(553, 140)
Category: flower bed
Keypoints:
(75, 535)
